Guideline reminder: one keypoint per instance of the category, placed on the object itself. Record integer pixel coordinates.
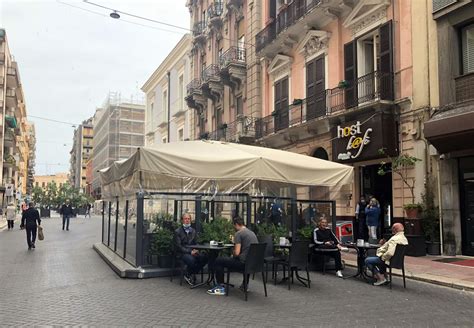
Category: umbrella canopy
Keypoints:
(197, 165)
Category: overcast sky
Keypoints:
(69, 59)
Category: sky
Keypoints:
(70, 58)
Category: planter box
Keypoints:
(416, 245)
(433, 248)
(165, 261)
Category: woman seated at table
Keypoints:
(324, 238)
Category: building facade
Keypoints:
(451, 126)
(167, 115)
(80, 153)
(119, 128)
(225, 90)
(42, 181)
(14, 150)
(342, 80)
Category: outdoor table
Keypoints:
(361, 256)
(213, 252)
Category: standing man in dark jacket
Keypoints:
(28, 221)
(183, 237)
(66, 212)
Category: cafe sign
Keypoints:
(356, 139)
(361, 139)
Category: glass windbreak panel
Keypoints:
(105, 231)
(131, 231)
(113, 212)
(271, 217)
(121, 227)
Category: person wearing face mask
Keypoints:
(183, 237)
(372, 213)
(360, 226)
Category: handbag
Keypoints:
(40, 233)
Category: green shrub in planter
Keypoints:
(306, 233)
(276, 231)
(219, 229)
(162, 242)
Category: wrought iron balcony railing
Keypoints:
(199, 28)
(370, 87)
(287, 17)
(215, 9)
(210, 72)
(232, 55)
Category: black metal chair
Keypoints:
(270, 257)
(324, 252)
(181, 268)
(298, 259)
(254, 263)
(398, 262)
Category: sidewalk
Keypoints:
(425, 269)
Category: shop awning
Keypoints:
(218, 166)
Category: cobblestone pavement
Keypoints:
(64, 282)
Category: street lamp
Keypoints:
(115, 15)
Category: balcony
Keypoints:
(199, 30)
(12, 78)
(242, 130)
(233, 66)
(464, 87)
(11, 98)
(212, 87)
(292, 23)
(214, 13)
(195, 98)
(368, 91)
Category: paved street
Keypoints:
(64, 282)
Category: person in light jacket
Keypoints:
(11, 214)
(379, 263)
(372, 214)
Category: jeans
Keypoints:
(66, 221)
(373, 232)
(31, 235)
(231, 263)
(375, 264)
(10, 224)
(194, 263)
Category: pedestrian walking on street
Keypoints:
(88, 210)
(11, 214)
(29, 220)
(66, 212)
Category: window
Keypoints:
(181, 92)
(180, 134)
(239, 106)
(164, 105)
(37, 184)
(467, 40)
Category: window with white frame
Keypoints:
(467, 40)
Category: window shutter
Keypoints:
(468, 49)
(350, 73)
(385, 77)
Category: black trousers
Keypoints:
(31, 235)
(336, 255)
(10, 224)
(231, 263)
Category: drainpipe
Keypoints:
(169, 103)
(440, 206)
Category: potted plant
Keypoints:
(220, 229)
(343, 84)
(204, 135)
(305, 233)
(297, 101)
(162, 246)
(399, 166)
(274, 113)
(223, 126)
(430, 220)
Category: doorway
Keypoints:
(380, 187)
(466, 171)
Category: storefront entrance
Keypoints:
(380, 187)
(466, 179)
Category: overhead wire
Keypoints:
(55, 121)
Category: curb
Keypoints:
(455, 285)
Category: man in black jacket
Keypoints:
(325, 238)
(28, 221)
(183, 237)
(66, 212)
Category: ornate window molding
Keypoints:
(366, 13)
(280, 65)
(314, 42)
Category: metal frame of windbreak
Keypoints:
(247, 201)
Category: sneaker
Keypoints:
(218, 290)
(33, 245)
(339, 274)
(380, 283)
(189, 279)
(241, 288)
